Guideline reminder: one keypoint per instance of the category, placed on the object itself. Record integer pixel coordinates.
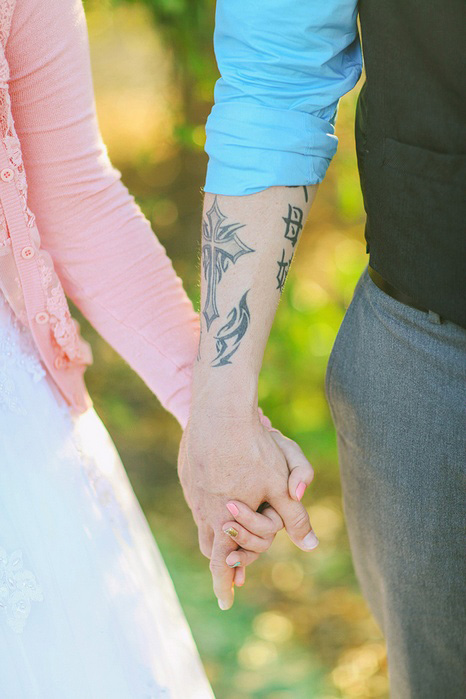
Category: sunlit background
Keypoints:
(299, 628)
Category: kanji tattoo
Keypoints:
(294, 223)
(283, 269)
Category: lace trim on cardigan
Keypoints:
(65, 330)
(13, 149)
(6, 15)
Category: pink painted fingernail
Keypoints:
(233, 509)
(300, 490)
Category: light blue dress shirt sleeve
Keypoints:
(284, 65)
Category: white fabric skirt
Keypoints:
(87, 607)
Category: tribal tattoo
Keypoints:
(230, 335)
(283, 269)
(221, 246)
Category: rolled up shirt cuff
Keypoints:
(252, 147)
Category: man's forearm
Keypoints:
(248, 243)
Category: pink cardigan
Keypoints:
(94, 242)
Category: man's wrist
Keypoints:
(224, 396)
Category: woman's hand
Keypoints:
(253, 533)
(231, 459)
(257, 530)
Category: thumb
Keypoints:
(301, 471)
(296, 520)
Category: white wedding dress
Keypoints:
(87, 607)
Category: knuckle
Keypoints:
(278, 489)
(300, 520)
(267, 530)
(255, 545)
(216, 566)
(272, 527)
(267, 544)
(244, 518)
(262, 546)
(273, 522)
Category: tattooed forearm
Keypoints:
(283, 268)
(220, 247)
(230, 335)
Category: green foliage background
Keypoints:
(299, 628)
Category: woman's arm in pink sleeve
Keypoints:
(106, 255)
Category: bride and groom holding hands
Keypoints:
(88, 607)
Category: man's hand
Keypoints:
(248, 244)
(234, 458)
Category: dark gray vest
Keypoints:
(411, 148)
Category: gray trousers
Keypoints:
(396, 385)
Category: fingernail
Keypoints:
(232, 508)
(231, 532)
(300, 490)
(310, 541)
(234, 565)
(232, 561)
(223, 605)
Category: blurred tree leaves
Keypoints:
(187, 27)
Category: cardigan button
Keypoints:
(27, 252)
(59, 362)
(42, 317)
(7, 174)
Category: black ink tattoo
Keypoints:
(294, 223)
(283, 269)
(294, 186)
(230, 335)
(221, 246)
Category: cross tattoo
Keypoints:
(221, 246)
(294, 223)
(283, 269)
